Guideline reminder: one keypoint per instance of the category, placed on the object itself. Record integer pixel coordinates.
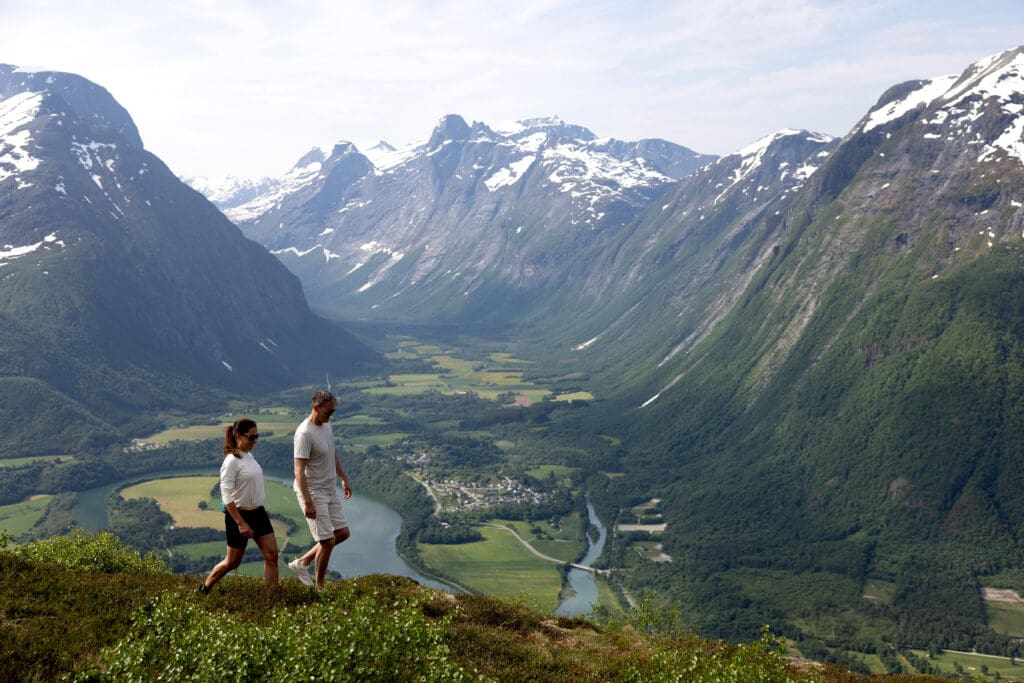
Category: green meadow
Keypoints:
(499, 566)
(561, 473)
(880, 591)
(574, 396)
(488, 378)
(563, 542)
(179, 497)
(274, 423)
(358, 420)
(19, 518)
(983, 666)
(1005, 617)
(372, 440)
(15, 462)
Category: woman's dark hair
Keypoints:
(231, 433)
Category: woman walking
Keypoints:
(241, 490)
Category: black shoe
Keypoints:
(202, 589)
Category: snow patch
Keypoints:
(925, 95)
(12, 252)
(511, 174)
(15, 113)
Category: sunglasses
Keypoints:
(251, 437)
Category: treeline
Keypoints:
(387, 480)
(88, 471)
(448, 534)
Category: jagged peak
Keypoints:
(451, 127)
(316, 155)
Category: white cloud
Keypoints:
(245, 88)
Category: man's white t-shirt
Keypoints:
(316, 444)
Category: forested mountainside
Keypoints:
(122, 290)
(853, 410)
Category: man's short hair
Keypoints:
(323, 396)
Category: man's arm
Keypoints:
(309, 509)
(341, 475)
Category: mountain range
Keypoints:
(811, 348)
(122, 290)
(474, 224)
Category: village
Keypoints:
(452, 495)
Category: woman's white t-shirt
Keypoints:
(241, 481)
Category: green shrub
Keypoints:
(84, 552)
(344, 636)
(672, 659)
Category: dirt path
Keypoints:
(528, 546)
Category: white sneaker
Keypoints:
(300, 571)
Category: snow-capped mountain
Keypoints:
(864, 380)
(472, 210)
(230, 191)
(120, 285)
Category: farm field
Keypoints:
(498, 566)
(1005, 617)
(274, 423)
(608, 598)
(489, 378)
(984, 666)
(179, 497)
(566, 543)
(15, 462)
(18, 518)
(575, 396)
(561, 473)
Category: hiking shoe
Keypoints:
(201, 589)
(300, 571)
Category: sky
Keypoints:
(229, 87)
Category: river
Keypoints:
(370, 550)
(582, 582)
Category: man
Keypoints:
(316, 466)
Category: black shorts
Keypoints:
(257, 519)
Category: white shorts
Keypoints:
(329, 517)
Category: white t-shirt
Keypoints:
(316, 444)
(241, 481)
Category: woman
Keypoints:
(241, 489)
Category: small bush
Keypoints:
(669, 659)
(84, 552)
(344, 636)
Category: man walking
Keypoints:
(316, 466)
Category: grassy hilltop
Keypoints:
(85, 607)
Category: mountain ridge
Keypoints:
(105, 296)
